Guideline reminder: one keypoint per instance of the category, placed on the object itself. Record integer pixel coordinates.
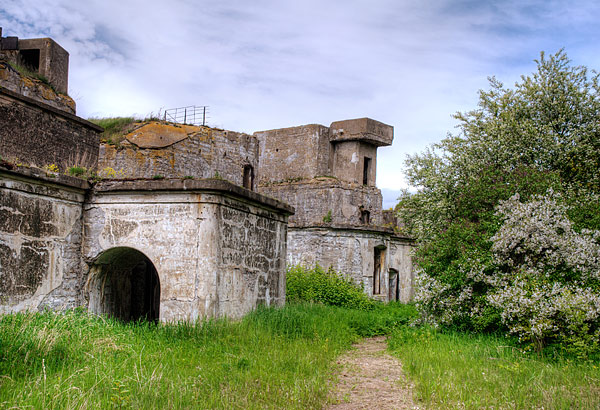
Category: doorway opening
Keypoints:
(124, 284)
(378, 262)
(394, 288)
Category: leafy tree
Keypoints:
(542, 135)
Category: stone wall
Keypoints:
(36, 134)
(352, 252)
(218, 249)
(337, 202)
(40, 240)
(177, 151)
(294, 153)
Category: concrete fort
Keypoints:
(168, 250)
(179, 222)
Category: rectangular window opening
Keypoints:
(31, 59)
(366, 166)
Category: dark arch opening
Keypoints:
(124, 284)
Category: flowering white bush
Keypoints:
(547, 283)
(543, 279)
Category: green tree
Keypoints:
(543, 134)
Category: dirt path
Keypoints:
(370, 378)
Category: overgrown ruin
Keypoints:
(188, 221)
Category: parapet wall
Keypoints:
(36, 134)
(177, 151)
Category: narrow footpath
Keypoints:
(370, 378)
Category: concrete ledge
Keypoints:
(347, 227)
(39, 174)
(218, 185)
(362, 129)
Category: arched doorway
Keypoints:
(124, 284)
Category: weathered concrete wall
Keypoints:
(294, 153)
(40, 240)
(176, 151)
(33, 88)
(362, 129)
(349, 162)
(36, 134)
(309, 151)
(218, 249)
(43, 56)
(314, 199)
(352, 252)
(53, 60)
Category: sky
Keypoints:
(266, 64)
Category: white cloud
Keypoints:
(267, 64)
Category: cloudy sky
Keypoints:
(266, 64)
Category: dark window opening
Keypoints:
(124, 284)
(365, 216)
(366, 166)
(31, 59)
(249, 177)
(377, 267)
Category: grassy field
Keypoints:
(461, 371)
(273, 358)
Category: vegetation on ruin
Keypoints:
(329, 287)
(115, 128)
(507, 213)
(27, 72)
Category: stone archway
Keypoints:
(124, 284)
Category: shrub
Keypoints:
(325, 286)
(540, 280)
(76, 171)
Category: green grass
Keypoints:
(461, 371)
(115, 128)
(273, 358)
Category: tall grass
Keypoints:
(273, 358)
(454, 370)
(115, 128)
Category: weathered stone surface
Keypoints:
(293, 153)
(215, 254)
(157, 135)
(40, 242)
(33, 88)
(362, 129)
(36, 134)
(352, 252)
(327, 200)
(202, 152)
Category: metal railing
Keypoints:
(190, 115)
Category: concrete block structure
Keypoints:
(43, 56)
(328, 175)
